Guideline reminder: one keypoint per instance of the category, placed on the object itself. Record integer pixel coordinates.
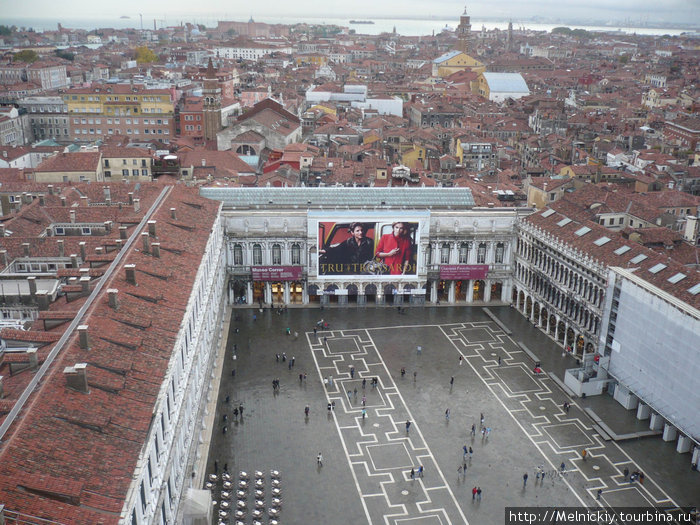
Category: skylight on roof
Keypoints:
(601, 241)
(622, 249)
(564, 221)
(639, 258)
(582, 231)
(657, 268)
(547, 213)
(677, 278)
(694, 290)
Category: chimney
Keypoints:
(137, 204)
(113, 298)
(74, 260)
(3, 255)
(63, 200)
(83, 255)
(130, 273)
(72, 216)
(152, 228)
(83, 337)
(131, 198)
(85, 284)
(118, 242)
(31, 280)
(42, 297)
(26, 198)
(99, 250)
(146, 242)
(2, 230)
(84, 201)
(155, 249)
(173, 215)
(33, 358)
(76, 377)
(50, 189)
(2, 507)
(61, 248)
(122, 232)
(108, 194)
(108, 226)
(25, 249)
(42, 200)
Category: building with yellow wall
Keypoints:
(454, 61)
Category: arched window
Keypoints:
(257, 254)
(464, 252)
(500, 249)
(237, 255)
(276, 254)
(445, 254)
(481, 253)
(296, 254)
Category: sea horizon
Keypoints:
(406, 26)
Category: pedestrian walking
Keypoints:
(408, 426)
(364, 413)
(329, 409)
(235, 412)
(499, 360)
(473, 493)
(403, 371)
(626, 472)
(224, 430)
(228, 398)
(420, 471)
(301, 377)
(415, 374)
(478, 494)
(319, 460)
(597, 495)
(315, 330)
(284, 356)
(641, 478)
(584, 453)
(466, 451)
(473, 430)
(255, 317)
(240, 409)
(293, 360)
(482, 419)
(364, 382)
(325, 339)
(464, 467)
(447, 414)
(225, 418)
(355, 392)
(413, 474)
(364, 400)
(289, 365)
(471, 451)
(452, 380)
(562, 467)
(461, 360)
(330, 380)
(352, 372)
(419, 350)
(233, 373)
(277, 357)
(306, 410)
(524, 480)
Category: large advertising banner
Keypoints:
(463, 271)
(384, 246)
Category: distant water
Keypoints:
(407, 27)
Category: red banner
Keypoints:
(277, 273)
(459, 272)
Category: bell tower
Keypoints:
(464, 31)
(211, 92)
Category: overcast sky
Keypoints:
(646, 11)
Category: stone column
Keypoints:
(267, 296)
(451, 293)
(470, 291)
(487, 290)
(683, 444)
(656, 422)
(670, 432)
(286, 292)
(643, 411)
(433, 291)
(249, 292)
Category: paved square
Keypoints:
(365, 473)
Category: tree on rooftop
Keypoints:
(26, 55)
(6, 30)
(143, 54)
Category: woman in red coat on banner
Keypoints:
(395, 249)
